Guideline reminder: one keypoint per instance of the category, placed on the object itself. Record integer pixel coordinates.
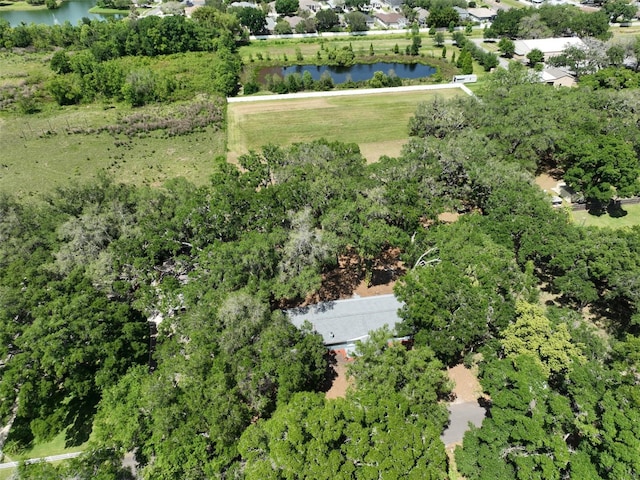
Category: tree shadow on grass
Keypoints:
(20, 438)
(80, 421)
(615, 210)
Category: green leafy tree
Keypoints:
(533, 334)
(455, 302)
(535, 56)
(601, 166)
(619, 10)
(326, 20)
(526, 429)
(507, 47)
(252, 18)
(282, 27)
(442, 16)
(438, 39)
(356, 21)
(287, 7)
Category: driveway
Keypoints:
(460, 415)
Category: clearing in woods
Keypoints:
(378, 123)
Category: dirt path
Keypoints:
(465, 408)
(340, 382)
(546, 182)
(467, 388)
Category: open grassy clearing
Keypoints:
(17, 69)
(382, 46)
(38, 155)
(56, 446)
(376, 122)
(632, 218)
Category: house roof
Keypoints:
(553, 73)
(345, 321)
(243, 5)
(546, 45)
(389, 18)
(308, 3)
(482, 13)
(293, 21)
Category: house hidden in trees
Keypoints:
(343, 322)
(557, 77)
(550, 47)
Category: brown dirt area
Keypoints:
(467, 388)
(449, 217)
(373, 151)
(348, 278)
(546, 182)
(340, 382)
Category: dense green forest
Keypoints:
(230, 389)
(149, 319)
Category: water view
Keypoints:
(360, 71)
(70, 10)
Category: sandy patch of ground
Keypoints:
(449, 217)
(362, 290)
(467, 388)
(546, 182)
(373, 151)
(340, 382)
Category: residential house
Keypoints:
(481, 15)
(243, 5)
(293, 21)
(311, 5)
(462, 13)
(557, 77)
(391, 20)
(394, 5)
(342, 323)
(550, 47)
(421, 16)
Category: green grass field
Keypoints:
(38, 155)
(376, 122)
(632, 218)
(54, 447)
(27, 68)
(382, 45)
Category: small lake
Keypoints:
(70, 10)
(358, 72)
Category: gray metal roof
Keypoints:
(345, 321)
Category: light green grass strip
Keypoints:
(632, 218)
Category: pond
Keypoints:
(358, 72)
(70, 10)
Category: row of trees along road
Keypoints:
(232, 388)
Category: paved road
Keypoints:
(504, 63)
(353, 91)
(460, 415)
(53, 458)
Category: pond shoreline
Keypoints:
(23, 6)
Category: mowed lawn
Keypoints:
(632, 218)
(38, 155)
(378, 123)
